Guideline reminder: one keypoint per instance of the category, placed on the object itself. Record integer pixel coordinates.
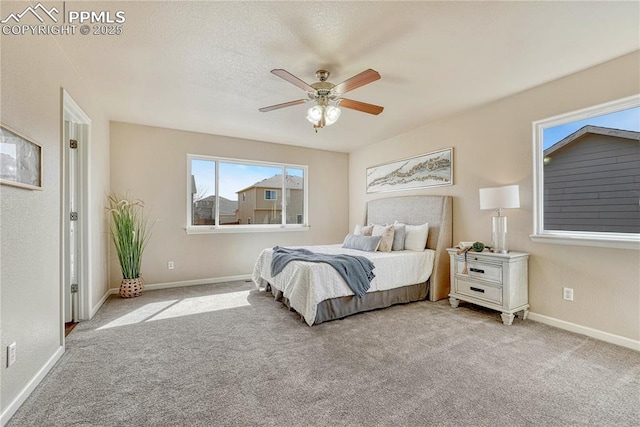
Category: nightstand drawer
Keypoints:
(496, 281)
(481, 270)
(478, 290)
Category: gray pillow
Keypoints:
(398, 237)
(362, 243)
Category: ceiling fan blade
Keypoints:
(283, 105)
(360, 106)
(356, 81)
(284, 74)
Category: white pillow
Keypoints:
(386, 231)
(416, 237)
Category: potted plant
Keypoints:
(130, 233)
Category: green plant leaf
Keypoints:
(130, 232)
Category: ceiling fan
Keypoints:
(327, 96)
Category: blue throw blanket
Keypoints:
(357, 271)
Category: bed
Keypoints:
(319, 294)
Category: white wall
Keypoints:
(493, 146)
(34, 69)
(151, 163)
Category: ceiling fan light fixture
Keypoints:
(314, 114)
(327, 96)
(332, 114)
(318, 112)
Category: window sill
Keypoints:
(244, 229)
(588, 239)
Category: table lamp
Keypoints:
(499, 198)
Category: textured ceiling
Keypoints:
(204, 66)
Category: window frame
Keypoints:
(268, 191)
(582, 238)
(244, 228)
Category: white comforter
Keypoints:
(306, 284)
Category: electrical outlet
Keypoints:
(170, 265)
(11, 354)
(567, 294)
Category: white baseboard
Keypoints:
(31, 385)
(196, 282)
(96, 307)
(584, 330)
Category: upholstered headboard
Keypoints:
(435, 210)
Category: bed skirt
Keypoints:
(337, 308)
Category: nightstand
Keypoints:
(495, 281)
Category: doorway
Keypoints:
(76, 291)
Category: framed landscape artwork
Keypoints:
(426, 170)
(20, 160)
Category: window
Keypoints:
(225, 195)
(295, 202)
(587, 176)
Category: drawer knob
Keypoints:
(477, 270)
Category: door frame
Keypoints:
(73, 112)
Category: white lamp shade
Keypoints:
(500, 197)
(314, 114)
(331, 114)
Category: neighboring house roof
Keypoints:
(598, 130)
(227, 207)
(294, 182)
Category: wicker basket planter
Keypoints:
(130, 288)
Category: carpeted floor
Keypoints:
(227, 354)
